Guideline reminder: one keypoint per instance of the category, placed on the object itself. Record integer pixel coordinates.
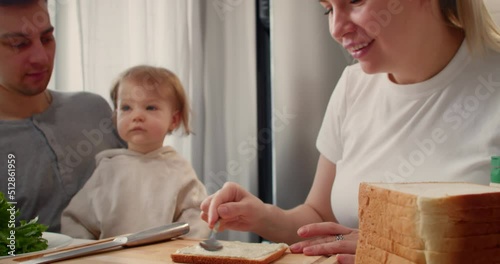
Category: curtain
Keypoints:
(229, 143)
(494, 8)
(209, 44)
(97, 40)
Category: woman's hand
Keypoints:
(236, 208)
(327, 238)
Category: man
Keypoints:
(48, 139)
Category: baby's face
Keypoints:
(144, 116)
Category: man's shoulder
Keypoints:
(79, 98)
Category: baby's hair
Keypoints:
(473, 18)
(150, 77)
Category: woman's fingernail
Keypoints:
(294, 247)
(301, 231)
(209, 216)
(222, 210)
(308, 251)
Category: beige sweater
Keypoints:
(130, 192)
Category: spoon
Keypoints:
(212, 244)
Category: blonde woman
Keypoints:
(420, 105)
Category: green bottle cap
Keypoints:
(495, 169)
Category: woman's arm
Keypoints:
(240, 210)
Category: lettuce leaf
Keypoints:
(18, 238)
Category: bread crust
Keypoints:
(431, 205)
(370, 254)
(403, 221)
(436, 243)
(383, 247)
(410, 212)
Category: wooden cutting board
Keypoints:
(160, 253)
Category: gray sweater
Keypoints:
(131, 191)
(54, 153)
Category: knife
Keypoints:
(149, 236)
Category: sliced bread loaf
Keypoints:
(429, 223)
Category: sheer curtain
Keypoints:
(97, 40)
(209, 44)
(494, 8)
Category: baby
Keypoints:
(148, 184)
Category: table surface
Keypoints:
(160, 253)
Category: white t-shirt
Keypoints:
(442, 129)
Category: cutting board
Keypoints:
(160, 253)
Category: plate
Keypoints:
(54, 240)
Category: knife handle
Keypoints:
(157, 234)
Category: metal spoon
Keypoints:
(212, 244)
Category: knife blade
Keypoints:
(145, 237)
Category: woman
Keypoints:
(410, 110)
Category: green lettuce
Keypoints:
(19, 238)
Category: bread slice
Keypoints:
(432, 197)
(443, 229)
(451, 234)
(377, 255)
(465, 256)
(437, 243)
(232, 252)
(491, 213)
(409, 213)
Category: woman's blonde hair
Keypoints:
(158, 78)
(472, 16)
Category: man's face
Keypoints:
(27, 48)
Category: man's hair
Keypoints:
(18, 2)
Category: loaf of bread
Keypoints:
(232, 252)
(428, 223)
